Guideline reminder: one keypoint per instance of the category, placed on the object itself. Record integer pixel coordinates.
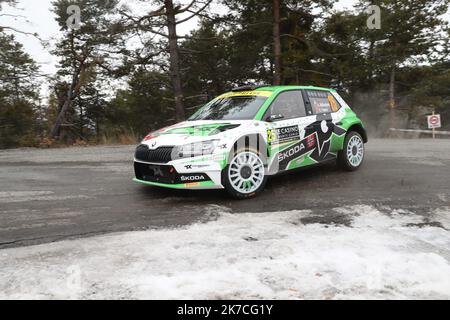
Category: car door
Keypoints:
(287, 142)
(321, 105)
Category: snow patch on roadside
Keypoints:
(370, 217)
(251, 255)
(442, 215)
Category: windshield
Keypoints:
(230, 108)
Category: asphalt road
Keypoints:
(53, 194)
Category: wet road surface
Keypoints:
(53, 194)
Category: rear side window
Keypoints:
(289, 104)
(322, 101)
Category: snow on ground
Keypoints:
(277, 255)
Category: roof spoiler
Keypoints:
(250, 87)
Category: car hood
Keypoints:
(193, 131)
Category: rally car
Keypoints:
(239, 139)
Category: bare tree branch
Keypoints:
(313, 48)
(195, 13)
(12, 15)
(21, 32)
(187, 7)
(156, 13)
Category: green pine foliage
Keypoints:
(18, 95)
(120, 72)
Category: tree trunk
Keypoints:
(276, 42)
(67, 103)
(81, 119)
(97, 116)
(370, 75)
(175, 73)
(97, 128)
(392, 99)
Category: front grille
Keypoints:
(155, 173)
(159, 155)
(166, 174)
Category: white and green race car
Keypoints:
(240, 138)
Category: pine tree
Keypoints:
(163, 23)
(85, 52)
(409, 33)
(18, 94)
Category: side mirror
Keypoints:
(275, 117)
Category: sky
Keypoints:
(40, 19)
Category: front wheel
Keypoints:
(244, 176)
(351, 157)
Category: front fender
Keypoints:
(256, 139)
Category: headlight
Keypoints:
(197, 149)
(149, 137)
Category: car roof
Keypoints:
(282, 88)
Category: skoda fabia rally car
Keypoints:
(240, 138)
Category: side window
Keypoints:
(322, 102)
(289, 104)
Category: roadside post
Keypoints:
(434, 121)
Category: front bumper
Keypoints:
(194, 185)
(180, 174)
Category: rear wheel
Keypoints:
(244, 176)
(351, 157)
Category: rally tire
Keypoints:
(351, 157)
(244, 176)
